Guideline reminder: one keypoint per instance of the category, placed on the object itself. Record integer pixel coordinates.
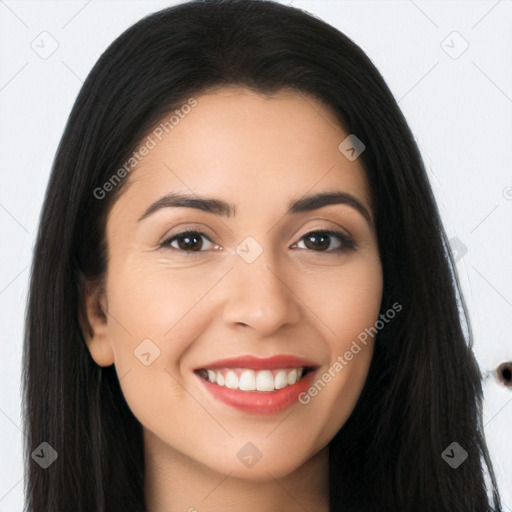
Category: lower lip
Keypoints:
(259, 402)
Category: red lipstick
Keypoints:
(259, 363)
(259, 402)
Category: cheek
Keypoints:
(147, 329)
(346, 300)
(155, 315)
(150, 299)
(356, 311)
(347, 305)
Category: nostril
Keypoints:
(504, 373)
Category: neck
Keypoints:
(176, 483)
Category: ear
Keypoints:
(95, 325)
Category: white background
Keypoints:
(459, 109)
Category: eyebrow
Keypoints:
(219, 207)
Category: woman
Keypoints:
(242, 296)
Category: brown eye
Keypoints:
(187, 241)
(322, 241)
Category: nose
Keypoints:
(261, 295)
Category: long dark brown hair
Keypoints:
(423, 391)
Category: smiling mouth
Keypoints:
(248, 379)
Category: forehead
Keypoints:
(245, 146)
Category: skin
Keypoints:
(257, 153)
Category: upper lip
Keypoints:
(259, 363)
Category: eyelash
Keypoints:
(346, 242)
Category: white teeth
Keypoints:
(280, 379)
(231, 380)
(251, 380)
(265, 381)
(292, 377)
(247, 381)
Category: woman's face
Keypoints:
(250, 281)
